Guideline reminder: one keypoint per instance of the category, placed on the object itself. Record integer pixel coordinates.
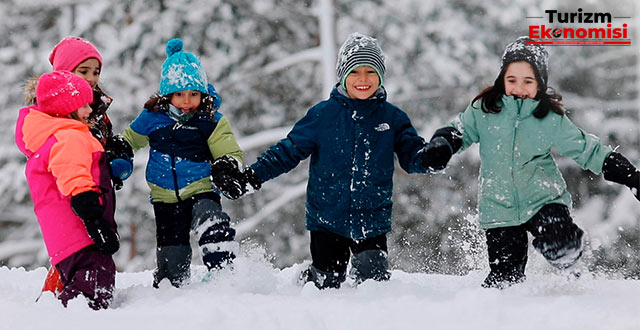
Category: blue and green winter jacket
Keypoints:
(352, 144)
(180, 153)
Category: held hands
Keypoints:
(231, 179)
(87, 206)
(436, 154)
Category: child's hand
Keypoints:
(436, 154)
(618, 169)
(121, 168)
(445, 142)
(118, 147)
(87, 206)
(228, 178)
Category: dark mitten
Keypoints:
(118, 147)
(436, 154)
(228, 178)
(616, 168)
(252, 179)
(452, 135)
(87, 206)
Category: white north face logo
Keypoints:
(383, 127)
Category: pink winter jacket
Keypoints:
(64, 159)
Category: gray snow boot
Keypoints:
(322, 279)
(173, 263)
(370, 264)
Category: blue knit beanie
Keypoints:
(181, 71)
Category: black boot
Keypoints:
(323, 279)
(507, 249)
(370, 264)
(174, 264)
(557, 238)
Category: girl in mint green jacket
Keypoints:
(516, 123)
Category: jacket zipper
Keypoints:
(516, 198)
(173, 163)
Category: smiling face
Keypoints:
(82, 114)
(186, 101)
(362, 82)
(89, 70)
(520, 80)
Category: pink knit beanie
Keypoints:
(71, 51)
(60, 93)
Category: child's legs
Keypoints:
(369, 259)
(90, 273)
(556, 236)
(214, 233)
(330, 256)
(507, 250)
(173, 223)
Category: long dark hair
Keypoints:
(549, 99)
(160, 103)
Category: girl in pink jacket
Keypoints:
(70, 187)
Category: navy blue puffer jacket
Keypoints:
(352, 144)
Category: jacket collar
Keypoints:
(341, 95)
(524, 108)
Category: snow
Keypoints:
(256, 295)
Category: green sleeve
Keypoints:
(223, 142)
(465, 123)
(136, 140)
(586, 149)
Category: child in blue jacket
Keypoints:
(352, 138)
(185, 134)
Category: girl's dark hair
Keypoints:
(549, 99)
(160, 103)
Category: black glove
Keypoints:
(252, 179)
(118, 147)
(616, 168)
(228, 177)
(87, 206)
(436, 154)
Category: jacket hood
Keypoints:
(34, 127)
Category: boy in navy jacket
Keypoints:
(351, 138)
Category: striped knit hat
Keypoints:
(357, 51)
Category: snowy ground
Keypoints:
(255, 295)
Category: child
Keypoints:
(351, 138)
(79, 56)
(185, 133)
(517, 123)
(69, 183)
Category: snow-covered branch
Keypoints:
(263, 138)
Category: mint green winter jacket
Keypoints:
(518, 175)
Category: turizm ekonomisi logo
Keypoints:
(580, 28)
